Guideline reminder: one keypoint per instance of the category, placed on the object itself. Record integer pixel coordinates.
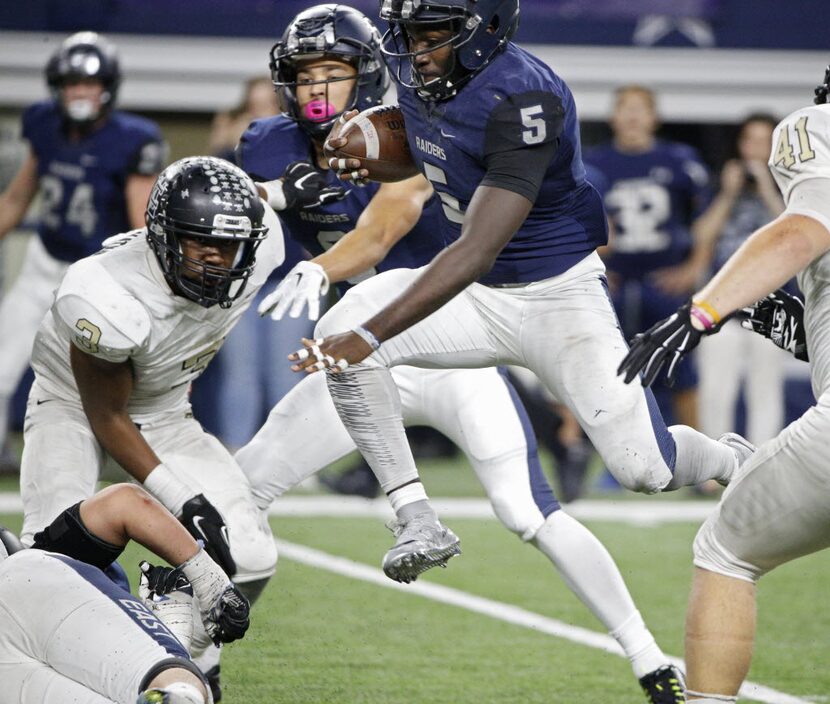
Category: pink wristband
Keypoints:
(702, 318)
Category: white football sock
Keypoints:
(590, 573)
(699, 458)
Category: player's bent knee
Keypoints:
(524, 519)
(710, 554)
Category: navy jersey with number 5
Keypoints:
(271, 144)
(652, 198)
(82, 182)
(507, 117)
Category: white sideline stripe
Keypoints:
(495, 609)
(645, 512)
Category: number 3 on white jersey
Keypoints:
(785, 153)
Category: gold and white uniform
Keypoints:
(116, 305)
(779, 506)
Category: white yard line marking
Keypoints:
(641, 513)
(494, 609)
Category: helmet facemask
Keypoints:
(330, 32)
(84, 56)
(222, 208)
(480, 30)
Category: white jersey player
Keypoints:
(138, 645)
(130, 328)
(778, 507)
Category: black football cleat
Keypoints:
(664, 686)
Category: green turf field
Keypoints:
(320, 637)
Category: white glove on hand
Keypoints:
(303, 285)
(224, 610)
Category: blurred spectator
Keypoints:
(653, 191)
(93, 168)
(251, 372)
(258, 100)
(748, 199)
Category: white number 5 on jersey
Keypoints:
(536, 129)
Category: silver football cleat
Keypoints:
(422, 543)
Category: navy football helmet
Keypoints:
(84, 55)
(335, 31)
(481, 30)
(823, 89)
(208, 199)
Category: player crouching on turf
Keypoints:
(51, 596)
(130, 329)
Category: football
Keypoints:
(377, 137)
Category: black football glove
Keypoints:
(158, 580)
(229, 616)
(205, 523)
(779, 317)
(305, 187)
(665, 343)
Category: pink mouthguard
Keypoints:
(318, 111)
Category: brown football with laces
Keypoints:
(377, 136)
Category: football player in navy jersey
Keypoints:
(653, 191)
(93, 167)
(495, 130)
(52, 655)
(328, 60)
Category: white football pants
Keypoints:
(62, 461)
(476, 408)
(69, 634)
(778, 508)
(563, 329)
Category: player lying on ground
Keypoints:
(778, 507)
(374, 229)
(71, 634)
